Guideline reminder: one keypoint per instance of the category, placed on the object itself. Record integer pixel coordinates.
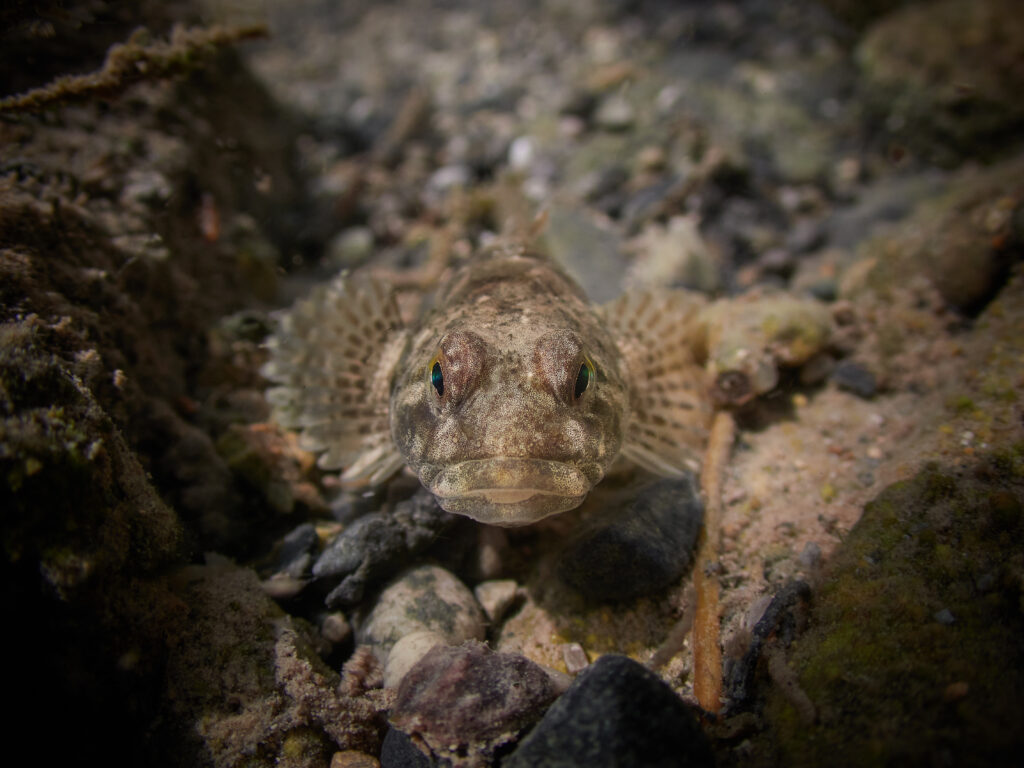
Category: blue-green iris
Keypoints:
(582, 381)
(437, 379)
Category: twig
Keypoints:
(127, 63)
(707, 650)
(673, 644)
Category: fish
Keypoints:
(511, 395)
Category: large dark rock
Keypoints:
(643, 543)
(617, 713)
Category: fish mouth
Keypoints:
(510, 491)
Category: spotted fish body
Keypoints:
(510, 398)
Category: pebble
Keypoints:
(448, 177)
(601, 182)
(496, 597)
(370, 544)
(398, 751)
(614, 113)
(945, 616)
(491, 547)
(350, 247)
(352, 758)
(648, 202)
(816, 370)
(651, 158)
(805, 235)
(824, 289)
(407, 652)
(678, 255)
(810, 556)
(616, 713)
(590, 253)
(521, 153)
(465, 702)
(424, 598)
(575, 658)
(297, 551)
(779, 261)
(376, 545)
(282, 587)
(856, 378)
(335, 627)
(639, 544)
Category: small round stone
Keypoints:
(406, 653)
(855, 378)
(335, 627)
(425, 598)
(575, 658)
(496, 597)
(615, 113)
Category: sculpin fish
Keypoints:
(511, 397)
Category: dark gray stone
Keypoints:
(297, 551)
(641, 543)
(398, 751)
(378, 545)
(779, 623)
(826, 289)
(616, 713)
(855, 378)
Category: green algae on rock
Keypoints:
(964, 242)
(244, 684)
(916, 652)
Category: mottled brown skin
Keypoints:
(508, 442)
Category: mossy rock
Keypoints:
(916, 650)
(944, 78)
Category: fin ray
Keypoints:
(333, 357)
(660, 336)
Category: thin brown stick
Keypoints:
(676, 639)
(707, 649)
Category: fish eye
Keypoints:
(583, 379)
(437, 377)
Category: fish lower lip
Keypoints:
(509, 480)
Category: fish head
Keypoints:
(512, 425)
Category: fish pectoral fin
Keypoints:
(661, 338)
(334, 356)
